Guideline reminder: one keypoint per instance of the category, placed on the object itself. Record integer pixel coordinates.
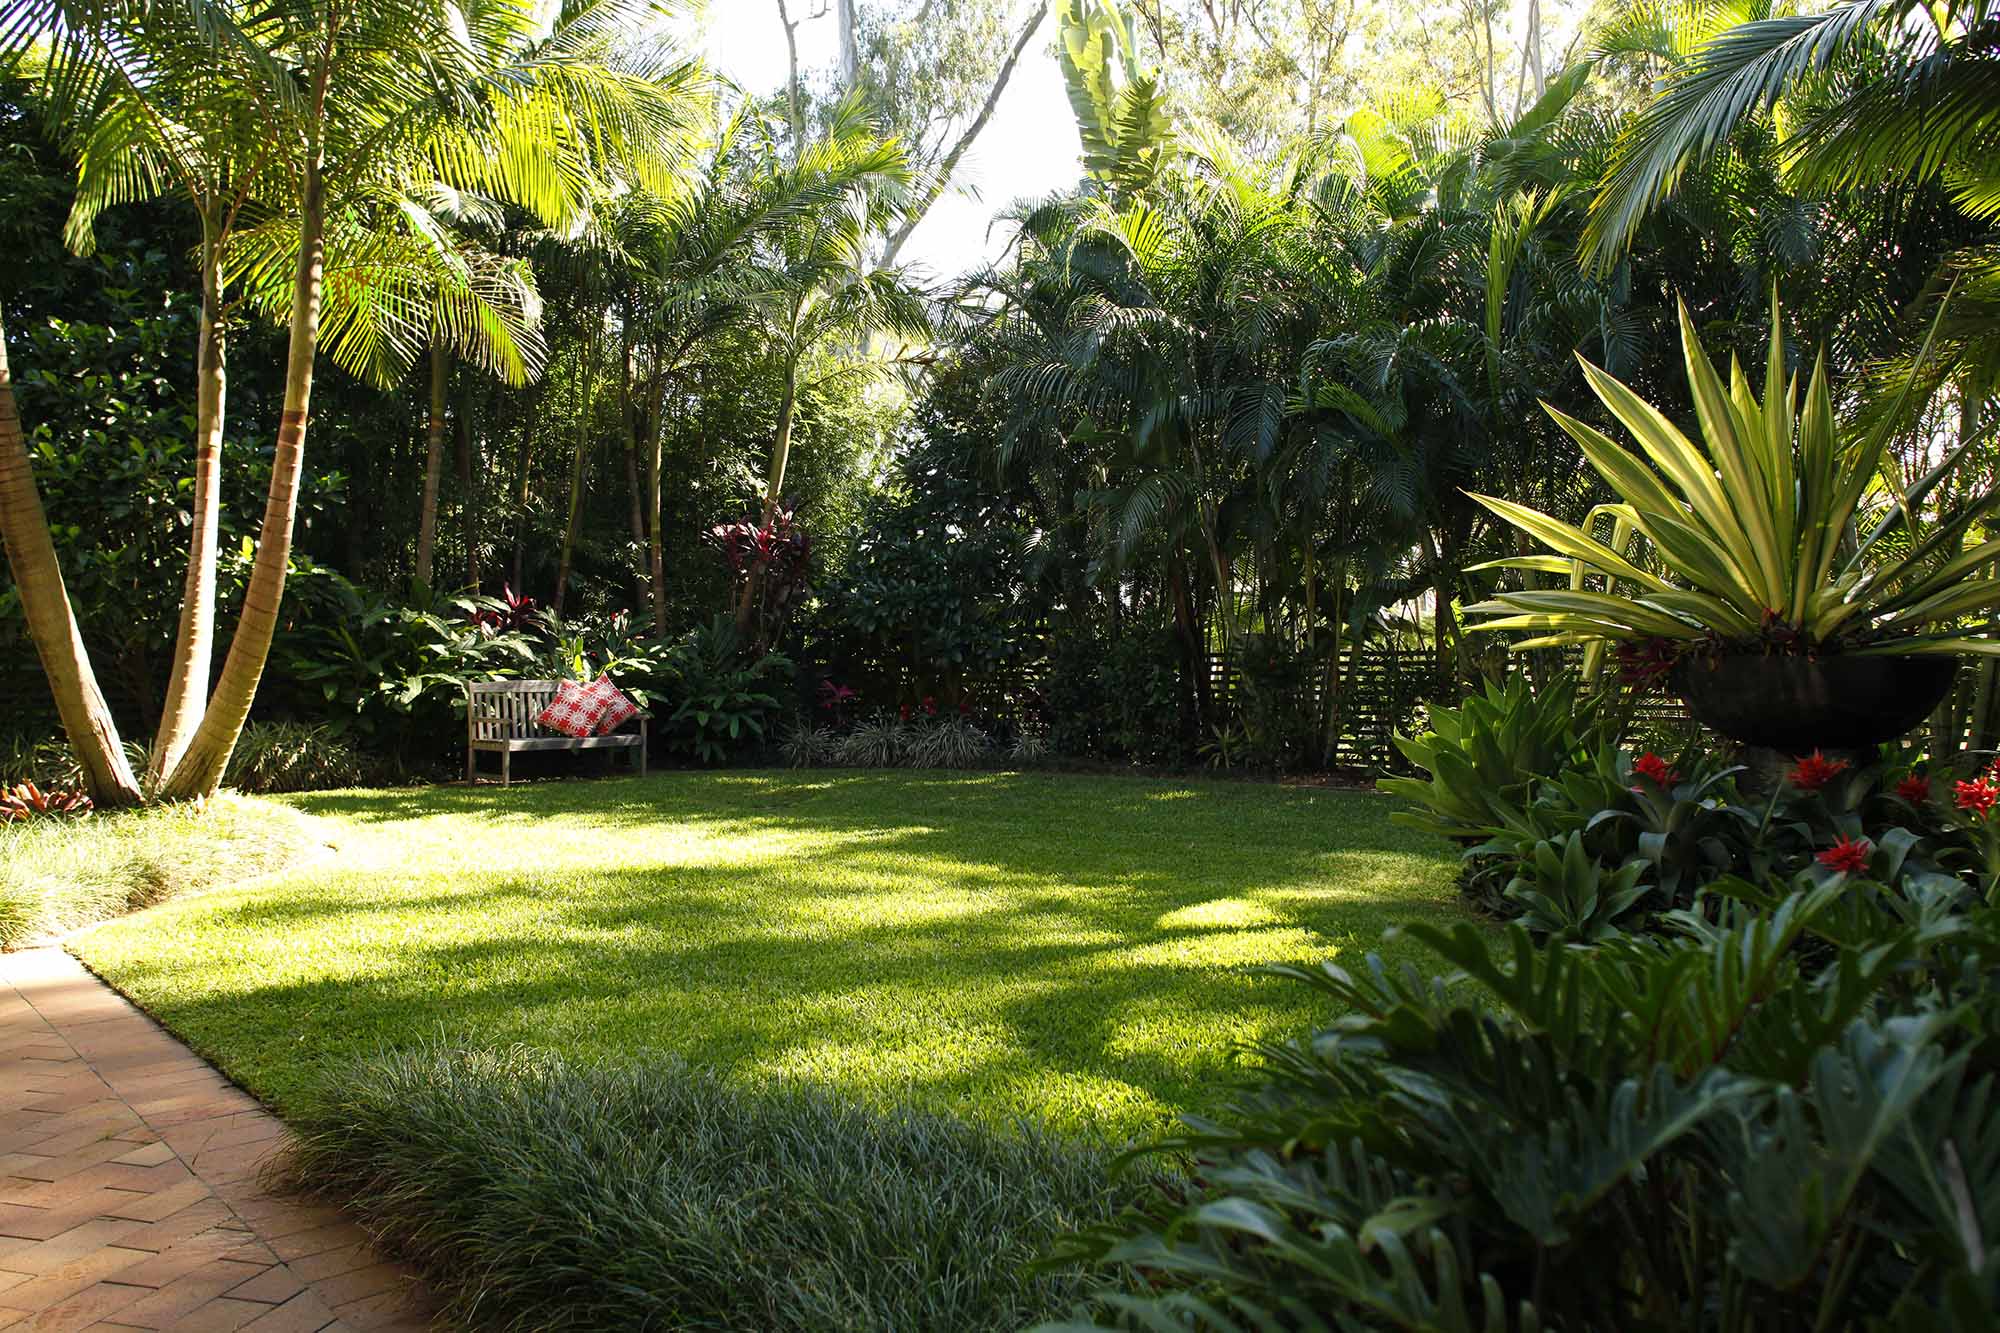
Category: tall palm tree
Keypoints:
(31, 560)
(512, 100)
(693, 259)
(532, 107)
(148, 102)
(810, 288)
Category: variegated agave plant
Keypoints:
(1766, 535)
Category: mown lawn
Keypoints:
(1075, 949)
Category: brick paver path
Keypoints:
(129, 1194)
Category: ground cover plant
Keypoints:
(58, 873)
(1076, 949)
(1776, 1114)
(541, 1192)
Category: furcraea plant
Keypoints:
(1762, 537)
(1780, 1118)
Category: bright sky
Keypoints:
(1029, 149)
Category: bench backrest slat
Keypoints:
(505, 710)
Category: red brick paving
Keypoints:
(129, 1194)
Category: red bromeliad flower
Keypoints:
(1650, 765)
(1976, 796)
(1816, 770)
(930, 705)
(1848, 855)
(1916, 789)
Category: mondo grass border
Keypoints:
(538, 1192)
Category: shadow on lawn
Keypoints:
(989, 943)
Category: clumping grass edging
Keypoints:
(58, 874)
(538, 1192)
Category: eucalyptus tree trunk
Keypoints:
(194, 637)
(427, 514)
(940, 176)
(200, 770)
(38, 581)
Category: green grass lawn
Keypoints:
(1077, 949)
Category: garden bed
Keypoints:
(60, 873)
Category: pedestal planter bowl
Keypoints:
(1799, 704)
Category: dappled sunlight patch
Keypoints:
(1217, 914)
(1240, 948)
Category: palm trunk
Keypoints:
(655, 543)
(38, 581)
(578, 470)
(468, 490)
(631, 432)
(194, 639)
(781, 448)
(522, 475)
(427, 516)
(200, 770)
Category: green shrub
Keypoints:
(1782, 1116)
(1564, 892)
(807, 746)
(536, 1192)
(875, 744)
(56, 875)
(292, 756)
(726, 700)
(946, 742)
(1029, 749)
(51, 764)
(1482, 756)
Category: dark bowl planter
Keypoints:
(1800, 704)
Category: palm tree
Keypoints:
(1880, 92)
(811, 288)
(693, 262)
(513, 102)
(532, 108)
(148, 102)
(31, 560)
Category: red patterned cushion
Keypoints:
(575, 711)
(618, 710)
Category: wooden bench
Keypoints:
(500, 719)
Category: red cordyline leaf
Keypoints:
(27, 801)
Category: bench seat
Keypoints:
(500, 719)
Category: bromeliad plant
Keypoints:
(1764, 536)
(1779, 1116)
